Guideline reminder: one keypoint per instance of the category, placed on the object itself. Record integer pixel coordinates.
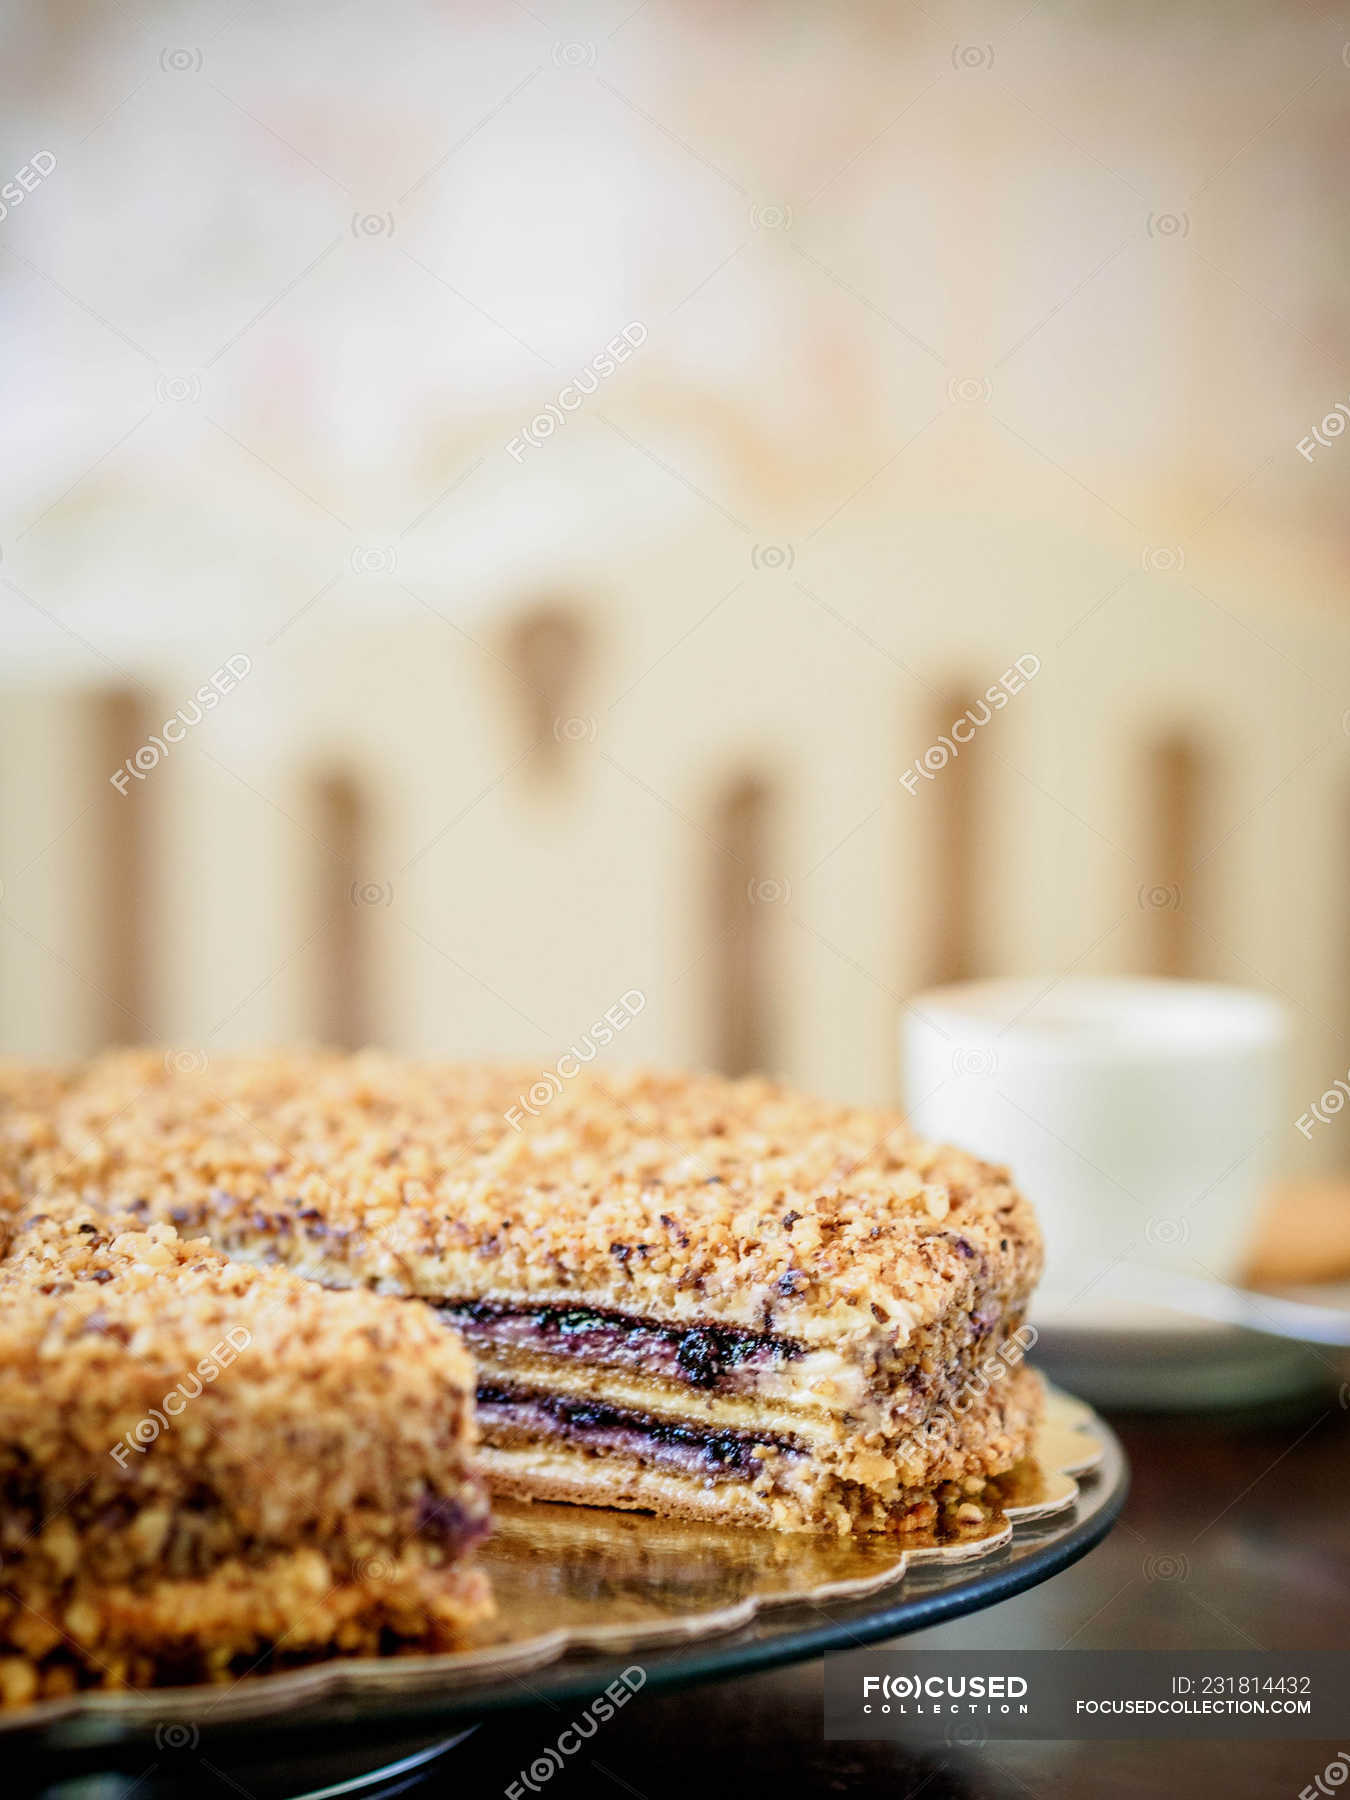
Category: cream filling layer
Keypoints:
(804, 1417)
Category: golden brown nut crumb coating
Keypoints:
(206, 1467)
(691, 1197)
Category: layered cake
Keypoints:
(208, 1469)
(716, 1300)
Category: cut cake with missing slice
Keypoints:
(718, 1300)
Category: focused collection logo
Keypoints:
(981, 1695)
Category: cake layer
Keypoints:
(786, 1491)
(818, 1395)
(512, 1416)
(697, 1356)
(584, 1382)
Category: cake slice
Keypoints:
(718, 1300)
(206, 1469)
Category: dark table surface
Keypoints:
(1236, 1535)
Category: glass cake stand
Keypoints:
(582, 1595)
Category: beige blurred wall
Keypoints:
(964, 339)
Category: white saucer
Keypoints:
(1195, 1344)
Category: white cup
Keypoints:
(1141, 1118)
